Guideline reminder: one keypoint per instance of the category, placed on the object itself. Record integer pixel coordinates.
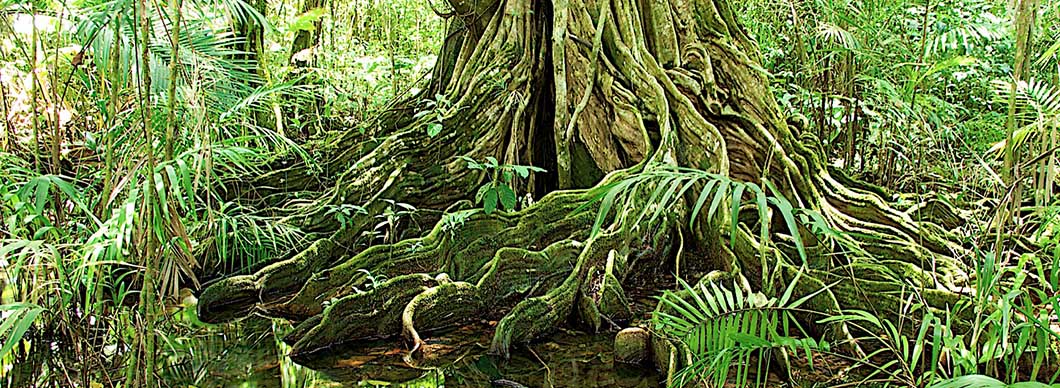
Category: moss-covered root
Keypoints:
(230, 299)
(235, 297)
(412, 305)
(602, 296)
(438, 307)
(584, 286)
(364, 315)
(460, 244)
(353, 276)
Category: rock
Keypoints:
(632, 345)
(506, 383)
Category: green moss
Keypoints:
(364, 315)
(440, 306)
(229, 299)
(632, 345)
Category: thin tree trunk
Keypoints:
(148, 299)
(305, 40)
(392, 50)
(34, 90)
(1026, 13)
(113, 110)
(174, 77)
(9, 139)
(56, 107)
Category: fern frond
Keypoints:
(726, 328)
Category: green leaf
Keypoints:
(174, 186)
(43, 231)
(74, 196)
(507, 197)
(651, 202)
(790, 289)
(40, 197)
(970, 381)
(433, 129)
(1031, 384)
(186, 174)
(702, 199)
(490, 201)
(723, 189)
(737, 199)
(664, 202)
(605, 207)
(948, 63)
(19, 245)
(522, 171)
(472, 163)
(788, 212)
(306, 21)
(853, 316)
(17, 323)
(597, 193)
(482, 192)
(750, 340)
(763, 207)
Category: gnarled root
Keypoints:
(438, 307)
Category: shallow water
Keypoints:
(249, 355)
(459, 359)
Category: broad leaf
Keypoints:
(507, 197)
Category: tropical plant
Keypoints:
(981, 381)
(17, 319)
(668, 186)
(1009, 336)
(437, 109)
(501, 187)
(732, 334)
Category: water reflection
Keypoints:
(459, 359)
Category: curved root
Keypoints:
(438, 307)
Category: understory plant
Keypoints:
(734, 336)
(500, 189)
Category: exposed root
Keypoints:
(440, 306)
(366, 315)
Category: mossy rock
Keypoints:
(632, 345)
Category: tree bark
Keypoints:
(305, 40)
(630, 86)
(253, 46)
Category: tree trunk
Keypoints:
(628, 87)
(253, 47)
(307, 39)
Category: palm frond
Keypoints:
(235, 238)
(726, 329)
(1040, 97)
(665, 187)
(838, 36)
